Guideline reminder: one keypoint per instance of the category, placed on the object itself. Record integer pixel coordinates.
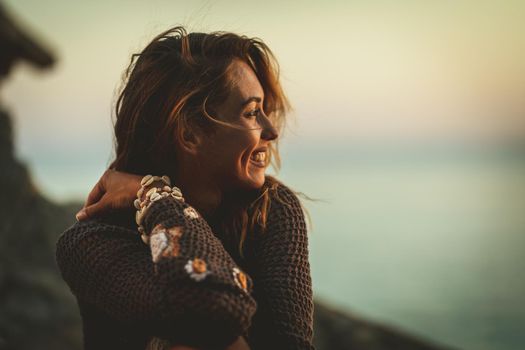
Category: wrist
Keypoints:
(152, 189)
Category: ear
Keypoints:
(189, 140)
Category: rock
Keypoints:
(37, 311)
(336, 330)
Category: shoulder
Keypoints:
(91, 245)
(285, 207)
(285, 233)
(91, 229)
(92, 226)
(283, 197)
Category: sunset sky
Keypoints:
(357, 72)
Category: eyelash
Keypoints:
(254, 113)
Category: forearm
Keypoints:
(110, 267)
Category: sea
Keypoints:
(427, 240)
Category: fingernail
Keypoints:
(81, 215)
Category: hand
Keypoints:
(114, 190)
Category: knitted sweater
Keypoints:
(189, 285)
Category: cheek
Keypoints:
(241, 143)
(247, 143)
(232, 150)
(226, 152)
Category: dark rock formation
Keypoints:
(37, 311)
(16, 44)
(335, 330)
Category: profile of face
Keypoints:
(236, 158)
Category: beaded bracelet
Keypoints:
(153, 194)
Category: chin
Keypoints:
(249, 178)
(254, 182)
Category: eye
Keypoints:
(253, 113)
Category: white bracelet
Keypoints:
(153, 194)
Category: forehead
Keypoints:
(245, 82)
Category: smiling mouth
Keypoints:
(258, 159)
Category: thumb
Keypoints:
(96, 193)
(92, 210)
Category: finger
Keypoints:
(96, 194)
(93, 210)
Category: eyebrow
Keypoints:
(251, 99)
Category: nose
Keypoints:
(269, 132)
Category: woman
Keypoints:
(222, 258)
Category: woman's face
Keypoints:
(237, 158)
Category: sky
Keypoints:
(372, 73)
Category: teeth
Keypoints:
(259, 156)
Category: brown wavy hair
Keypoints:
(173, 85)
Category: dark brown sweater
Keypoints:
(129, 292)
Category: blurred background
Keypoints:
(408, 125)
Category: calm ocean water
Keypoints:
(433, 244)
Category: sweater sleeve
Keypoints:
(183, 286)
(283, 286)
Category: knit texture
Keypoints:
(189, 285)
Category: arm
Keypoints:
(163, 289)
(283, 286)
